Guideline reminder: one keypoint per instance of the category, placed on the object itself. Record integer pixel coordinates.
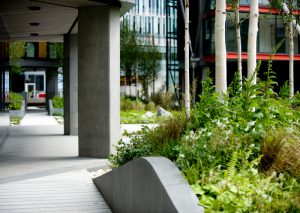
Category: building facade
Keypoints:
(271, 31)
(150, 19)
(39, 74)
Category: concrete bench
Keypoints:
(148, 184)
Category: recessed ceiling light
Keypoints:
(34, 8)
(34, 34)
(34, 24)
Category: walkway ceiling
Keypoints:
(45, 20)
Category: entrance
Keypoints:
(30, 90)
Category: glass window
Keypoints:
(280, 34)
(211, 5)
(209, 38)
(149, 25)
(266, 30)
(52, 51)
(261, 2)
(231, 43)
(30, 50)
(158, 26)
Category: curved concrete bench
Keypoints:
(149, 184)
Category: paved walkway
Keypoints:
(66, 192)
(40, 170)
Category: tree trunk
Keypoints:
(125, 85)
(220, 47)
(252, 40)
(239, 41)
(186, 62)
(129, 83)
(294, 22)
(153, 84)
(137, 81)
(291, 62)
(146, 90)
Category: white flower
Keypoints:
(223, 182)
(181, 155)
(251, 123)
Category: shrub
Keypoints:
(280, 152)
(151, 106)
(240, 188)
(164, 99)
(126, 104)
(240, 152)
(15, 101)
(162, 140)
(58, 102)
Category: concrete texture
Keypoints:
(39, 148)
(66, 192)
(71, 84)
(152, 184)
(18, 113)
(4, 119)
(98, 80)
(51, 85)
(53, 110)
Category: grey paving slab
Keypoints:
(40, 170)
(30, 151)
(66, 192)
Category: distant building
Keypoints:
(271, 31)
(39, 76)
(149, 20)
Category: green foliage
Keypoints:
(129, 50)
(150, 57)
(138, 117)
(151, 106)
(137, 56)
(240, 152)
(15, 120)
(16, 52)
(58, 102)
(59, 51)
(15, 101)
(163, 140)
(128, 104)
(240, 188)
(164, 99)
(284, 92)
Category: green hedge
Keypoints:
(58, 102)
(15, 101)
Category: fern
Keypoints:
(232, 164)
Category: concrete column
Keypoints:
(71, 84)
(51, 85)
(98, 80)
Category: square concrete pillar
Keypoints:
(71, 84)
(98, 80)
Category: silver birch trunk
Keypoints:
(252, 40)
(220, 47)
(294, 22)
(291, 62)
(137, 81)
(239, 42)
(186, 60)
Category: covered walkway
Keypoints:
(41, 171)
